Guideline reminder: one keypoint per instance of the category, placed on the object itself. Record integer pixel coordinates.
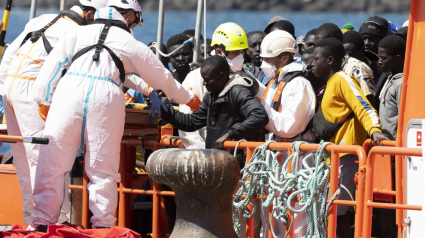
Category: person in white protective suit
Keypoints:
(87, 106)
(289, 101)
(196, 139)
(20, 66)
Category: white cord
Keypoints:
(156, 46)
(205, 29)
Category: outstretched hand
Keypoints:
(155, 104)
(377, 137)
(194, 103)
(221, 140)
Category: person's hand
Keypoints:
(377, 137)
(1, 26)
(194, 103)
(155, 104)
(194, 65)
(221, 140)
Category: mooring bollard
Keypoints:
(204, 182)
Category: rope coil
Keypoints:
(309, 184)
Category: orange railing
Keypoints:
(335, 150)
(368, 198)
(364, 194)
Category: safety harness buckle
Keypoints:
(35, 35)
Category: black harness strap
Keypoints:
(35, 35)
(288, 78)
(100, 45)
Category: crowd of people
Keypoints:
(62, 79)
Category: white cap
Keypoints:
(277, 42)
(94, 3)
(127, 4)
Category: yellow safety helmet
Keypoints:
(231, 35)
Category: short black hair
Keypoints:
(311, 32)
(330, 30)
(333, 46)
(191, 32)
(402, 32)
(355, 38)
(309, 51)
(177, 40)
(218, 63)
(285, 25)
(394, 45)
(255, 32)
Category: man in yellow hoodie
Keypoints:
(343, 116)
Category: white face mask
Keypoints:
(269, 70)
(236, 63)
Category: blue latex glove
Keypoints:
(157, 104)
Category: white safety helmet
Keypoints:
(276, 43)
(94, 3)
(128, 4)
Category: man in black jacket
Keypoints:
(229, 109)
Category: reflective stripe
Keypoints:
(133, 73)
(85, 110)
(110, 13)
(94, 77)
(372, 114)
(63, 200)
(21, 77)
(86, 102)
(29, 58)
(54, 76)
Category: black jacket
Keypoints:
(234, 111)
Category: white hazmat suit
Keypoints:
(298, 107)
(18, 72)
(88, 106)
(196, 139)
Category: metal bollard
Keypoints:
(204, 182)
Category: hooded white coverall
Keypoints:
(88, 106)
(298, 108)
(18, 72)
(196, 139)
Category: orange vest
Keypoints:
(276, 96)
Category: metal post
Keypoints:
(6, 16)
(63, 5)
(33, 8)
(160, 26)
(197, 45)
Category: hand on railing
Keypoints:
(377, 137)
(221, 140)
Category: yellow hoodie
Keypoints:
(343, 95)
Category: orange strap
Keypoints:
(21, 77)
(277, 93)
(29, 58)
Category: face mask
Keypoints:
(269, 70)
(236, 63)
